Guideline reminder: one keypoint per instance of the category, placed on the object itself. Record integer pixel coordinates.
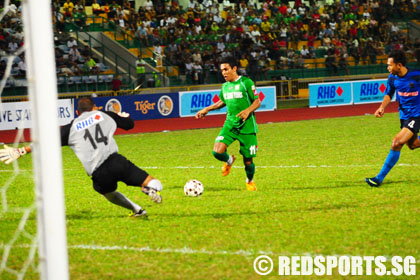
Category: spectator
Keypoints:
(220, 45)
(243, 65)
(22, 66)
(79, 17)
(330, 63)
(148, 5)
(141, 35)
(305, 52)
(121, 23)
(90, 66)
(371, 50)
(79, 6)
(196, 57)
(116, 84)
(3, 66)
(342, 61)
(140, 70)
(68, 5)
(71, 42)
(85, 52)
(197, 73)
(300, 61)
(76, 55)
(96, 8)
(189, 69)
(291, 58)
(13, 46)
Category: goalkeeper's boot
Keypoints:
(373, 182)
(152, 193)
(226, 167)
(250, 186)
(140, 213)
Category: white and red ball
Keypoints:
(193, 188)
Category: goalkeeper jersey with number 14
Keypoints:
(238, 96)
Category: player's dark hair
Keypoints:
(229, 60)
(85, 104)
(399, 57)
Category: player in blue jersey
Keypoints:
(406, 84)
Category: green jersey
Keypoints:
(238, 96)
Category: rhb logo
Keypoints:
(202, 100)
(327, 92)
(207, 99)
(369, 89)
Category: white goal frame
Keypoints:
(47, 161)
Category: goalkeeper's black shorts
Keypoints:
(114, 169)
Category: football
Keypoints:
(193, 188)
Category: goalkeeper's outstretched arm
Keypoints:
(10, 154)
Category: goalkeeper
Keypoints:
(90, 136)
(240, 97)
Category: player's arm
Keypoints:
(389, 93)
(122, 119)
(248, 111)
(219, 104)
(381, 110)
(10, 154)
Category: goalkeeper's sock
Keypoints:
(121, 200)
(222, 157)
(390, 161)
(155, 184)
(250, 171)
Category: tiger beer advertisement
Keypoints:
(141, 107)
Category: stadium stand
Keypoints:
(277, 38)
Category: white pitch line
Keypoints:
(186, 250)
(258, 166)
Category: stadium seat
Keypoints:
(63, 48)
(86, 80)
(101, 78)
(102, 66)
(60, 80)
(21, 83)
(9, 83)
(109, 78)
(70, 81)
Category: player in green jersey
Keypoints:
(241, 98)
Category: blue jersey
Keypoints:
(407, 89)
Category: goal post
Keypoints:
(47, 161)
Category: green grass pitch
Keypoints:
(311, 199)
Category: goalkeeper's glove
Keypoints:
(123, 114)
(9, 154)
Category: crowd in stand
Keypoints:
(266, 35)
(71, 59)
(262, 35)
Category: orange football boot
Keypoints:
(226, 167)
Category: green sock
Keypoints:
(222, 157)
(250, 171)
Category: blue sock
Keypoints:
(390, 161)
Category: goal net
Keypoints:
(32, 218)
